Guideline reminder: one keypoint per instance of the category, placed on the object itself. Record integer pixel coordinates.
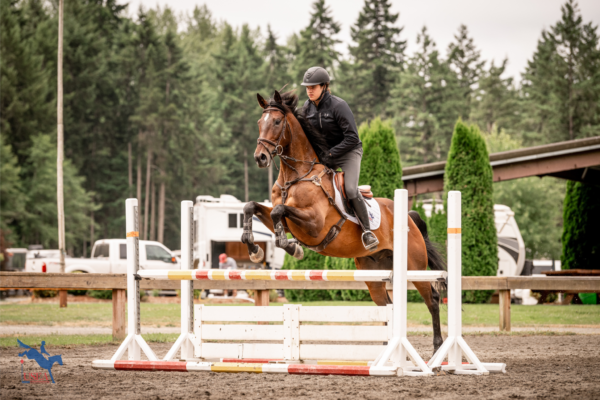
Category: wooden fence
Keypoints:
(118, 283)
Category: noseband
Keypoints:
(277, 148)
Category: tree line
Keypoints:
(162, 107)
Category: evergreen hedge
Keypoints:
(380, 166)
(468, 170)
(311, 260)
(581, 219)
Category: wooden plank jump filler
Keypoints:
(296, 341)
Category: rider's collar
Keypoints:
(324, 96)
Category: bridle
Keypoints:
(277, 148)
(278, 151)
(315, 179)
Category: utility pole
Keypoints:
(60, 202)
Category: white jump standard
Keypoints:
(294, 329)
(134, 342)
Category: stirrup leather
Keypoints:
(371, 245)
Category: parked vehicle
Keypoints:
(511, 248)
(109, 256)
(15, 259)
(218, 227)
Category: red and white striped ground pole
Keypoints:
(184, 342)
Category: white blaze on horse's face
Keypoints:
(267, 117)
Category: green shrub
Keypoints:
(311, 260)
(45, 293)
(581, 218)
(345, 295)
(380, 166)
(100, 294)
(468, 170)
(437, 228)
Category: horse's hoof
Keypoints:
(258, 256)
(299, 253)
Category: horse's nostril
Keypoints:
(263, 157)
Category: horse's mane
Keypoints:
(317, 141)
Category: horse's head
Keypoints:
(273, 129)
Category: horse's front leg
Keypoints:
(308, 222)
(264, 214)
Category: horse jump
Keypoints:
(293, 357)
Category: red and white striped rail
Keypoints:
(270, 368)
(289, 275)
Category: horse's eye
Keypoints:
(277, 121)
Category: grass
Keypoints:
(70, 340)
(168, 315)
(160, 315)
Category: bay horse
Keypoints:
(303, 206)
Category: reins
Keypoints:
(315, 179)
(278, 151)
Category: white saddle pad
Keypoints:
(373, 211)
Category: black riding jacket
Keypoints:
(334, 120)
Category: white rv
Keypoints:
(218, 226)
(511, 248)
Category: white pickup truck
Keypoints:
(109, 256)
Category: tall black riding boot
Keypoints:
(368, 238)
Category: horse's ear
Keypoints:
(277, 97)
(262, 102)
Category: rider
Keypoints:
(332, 117)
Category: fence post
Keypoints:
(118, 323)
(504, 298)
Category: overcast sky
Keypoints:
(507, 28)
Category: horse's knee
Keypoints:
(277, 213)
(249, 208)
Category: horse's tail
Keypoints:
(434, 257)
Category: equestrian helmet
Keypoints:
(315, 76)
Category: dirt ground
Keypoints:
(537, 367)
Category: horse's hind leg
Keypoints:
(432, 300)
(264, 214)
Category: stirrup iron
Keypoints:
(371, 245)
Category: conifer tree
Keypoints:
(276, 64)
(495, 102)
(425, 105)
(580, 244)
(316, 44)
(27, 108)
(377, 59)
(468, 170)
(39, 225)
(12, 196)
(464, 60)
(561, 80)
(380, 166)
